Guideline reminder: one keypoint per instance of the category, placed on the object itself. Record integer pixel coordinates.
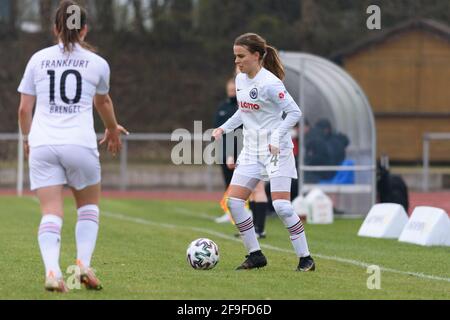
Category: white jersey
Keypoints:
(262, 101)
(64, 85)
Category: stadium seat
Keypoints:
(342, 177)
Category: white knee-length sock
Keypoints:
(49, 238)
(86, 233)
(244, 223)
(294, 225)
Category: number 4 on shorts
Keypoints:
(274, 160)
(274, 164)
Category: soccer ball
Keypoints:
(203, 254)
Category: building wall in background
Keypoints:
(407, 80)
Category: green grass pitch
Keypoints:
(141, 254)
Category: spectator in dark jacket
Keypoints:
(324, 147)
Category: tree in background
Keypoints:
(46, 13)
(172, 21)
(105, 21)
(8, 17)
(187, 45)
(139, 17)
(320, 27)
(13, 17)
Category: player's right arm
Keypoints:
(234, 122)
(105, 108)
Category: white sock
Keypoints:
(244, 223)
(86, 233)
(49, 238)
(294, 225)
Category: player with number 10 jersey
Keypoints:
(64, 87)
(63, 83)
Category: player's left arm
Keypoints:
(278, 94)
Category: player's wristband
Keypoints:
(25, 138)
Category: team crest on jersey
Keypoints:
(254, 93)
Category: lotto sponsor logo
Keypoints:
(249, 105)
(281, 95)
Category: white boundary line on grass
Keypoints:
(188, 213)
(224, 236)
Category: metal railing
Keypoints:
(426, 140)
(152, 137)
(124, 183)
(123, 157)
(20, 157)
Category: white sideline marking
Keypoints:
(186, 212)
(266, 246)
(182, 211)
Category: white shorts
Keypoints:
(77, 166)
(268, 167)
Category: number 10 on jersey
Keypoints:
(63, 88)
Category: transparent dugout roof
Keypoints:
(323, 90)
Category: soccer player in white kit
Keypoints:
(64, 81)
(268, 150)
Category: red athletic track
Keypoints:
(432, 199)
(439, 199)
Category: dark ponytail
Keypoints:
(70, 37)
(272, 62)
(268, 54)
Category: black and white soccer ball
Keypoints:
(203, 254)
